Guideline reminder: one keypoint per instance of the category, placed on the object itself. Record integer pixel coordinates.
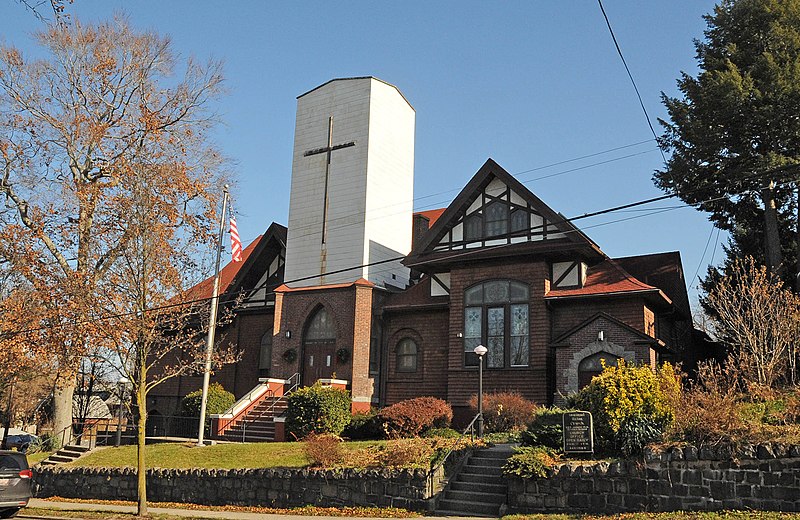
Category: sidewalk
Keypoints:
(191, 513)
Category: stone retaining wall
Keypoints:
(245, 487)
(406, 488)
(765, 477)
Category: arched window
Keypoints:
(496, 316)
(407, 353)
(320, 327)
(591, 366)
(265, 355)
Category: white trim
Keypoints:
(246, 400)
(362, 399)
(280, 418)
(330, 382)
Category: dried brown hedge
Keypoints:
(504, 411)
(411, 417)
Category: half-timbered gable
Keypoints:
(497, 267)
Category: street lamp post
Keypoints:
(480, 351)
(122, 386)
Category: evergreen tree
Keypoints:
(740, 118)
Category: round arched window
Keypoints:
(407, 353)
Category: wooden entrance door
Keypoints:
(319, 360)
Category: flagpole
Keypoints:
(212, 321)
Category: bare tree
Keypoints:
(76, 131)
(757, 316)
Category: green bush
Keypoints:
(530, 462)
(363, 426)
(412, 417)
(545, 429)
(317, 409)
(218, 401)
(442, 433)
(621, 392)
(636, 432)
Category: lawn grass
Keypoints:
(36, 458)
(220, 456)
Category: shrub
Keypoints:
(623, 391)
(323, 450)
(317, 409)
(363, 425)
(504, 411)
(710, 408)
(545, 429)
(442, 433)
(218, 401)
(411, 417)
(530, 462)
(403, 453)
(636, 432)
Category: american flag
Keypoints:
(236, 243)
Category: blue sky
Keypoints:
(528, 84)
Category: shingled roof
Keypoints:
(607, 278)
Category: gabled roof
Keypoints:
(573, 239)
(232, 275)
(432, 215)
(662, 270)
(608, 278)
(644, 337)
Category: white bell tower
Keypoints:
(352, 184)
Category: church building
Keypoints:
(360, 291)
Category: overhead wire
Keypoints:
(790, 168)
(628, 70)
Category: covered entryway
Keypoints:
(319, 347)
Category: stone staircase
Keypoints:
(479, 489)
(66, 454)
(258, 424)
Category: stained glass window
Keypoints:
(497, 317)
(496, 219)
(473, 326)
(473, 227)
(519, 335)
(320, 327)
(496, 337)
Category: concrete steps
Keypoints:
(479, 489)
(64, 455)
(257, 425)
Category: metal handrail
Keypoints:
(294, 380)
(471, 429)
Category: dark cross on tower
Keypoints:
(328, 149)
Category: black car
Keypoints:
(15, 483)
(21, 442)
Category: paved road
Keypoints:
(232, 515)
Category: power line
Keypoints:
(450, 257)
(628, 70)
(700, 263)
(347, 217)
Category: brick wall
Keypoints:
(618, 341)
(531, 382)
(428, 329)
(351, 309)
(244, 335)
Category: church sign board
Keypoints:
(578, 432)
